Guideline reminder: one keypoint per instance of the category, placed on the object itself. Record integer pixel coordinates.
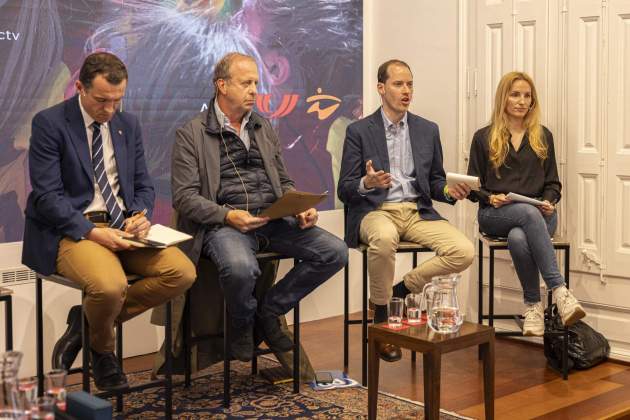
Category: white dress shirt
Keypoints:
(111, 170)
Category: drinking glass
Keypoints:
(412, 303)
(395, 312)
(56, 387)
(10, 407)
(27, 391)
(44, 408)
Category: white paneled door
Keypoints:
(586, 99)
(617, 201)
(511, 36)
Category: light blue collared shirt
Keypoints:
(401, 165)
(225, 122)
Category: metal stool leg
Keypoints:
(346, 315)
(39, 320)
(415, 264)
(491, 290)
(168, 362)
(226, 357)
(119, 356)
(296, 348)
(364, 322)
(8, 326)
(480, 293)
(187, 348)
(85, 338)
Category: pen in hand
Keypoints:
(129, 224)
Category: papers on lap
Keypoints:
(524, 199)
(159, 237)
(292, 203)
(472, 181)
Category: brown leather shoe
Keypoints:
(389, 352)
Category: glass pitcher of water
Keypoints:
(441, 303)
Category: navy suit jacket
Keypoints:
(60, 168)
(365, 140)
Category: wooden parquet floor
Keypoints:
(525, 387)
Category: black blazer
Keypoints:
(365, 140)
(60, 168)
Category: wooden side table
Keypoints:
(5, 296)
(432, 345)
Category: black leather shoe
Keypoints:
(68, 346)
(389, 352)
(269, 328)
(108, 374)
(242, 343)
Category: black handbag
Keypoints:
(586, 347)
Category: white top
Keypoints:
(111, 170)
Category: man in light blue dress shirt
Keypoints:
(391, 170)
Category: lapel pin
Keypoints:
(120, 132)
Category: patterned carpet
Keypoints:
(254, 398)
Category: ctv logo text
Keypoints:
(9, 36)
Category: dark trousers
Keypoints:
(321, 255)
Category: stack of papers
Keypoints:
(524, 199)
(292, 203)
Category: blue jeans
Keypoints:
(528, 235)
(321, 255)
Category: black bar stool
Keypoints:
(403, 247)
(495, 244)
(189, 340)
(5, 296)
(167, 382)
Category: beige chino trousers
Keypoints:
(108, 298)
(382, 229)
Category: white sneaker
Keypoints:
(568, 306)
(534, 322)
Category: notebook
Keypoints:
(159, 237)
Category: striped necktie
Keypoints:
(98, 163)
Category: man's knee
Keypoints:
(239, 270)
(383, 245)
(336, 252)
(463, 255)
(109, 291)
(182, 275)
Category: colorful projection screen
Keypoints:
(309, 53)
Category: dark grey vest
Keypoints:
(253, 175)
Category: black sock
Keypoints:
(380, 313)
(400, 290)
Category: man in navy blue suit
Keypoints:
(391, 170)
(91, 188)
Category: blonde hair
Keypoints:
(499, 132)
